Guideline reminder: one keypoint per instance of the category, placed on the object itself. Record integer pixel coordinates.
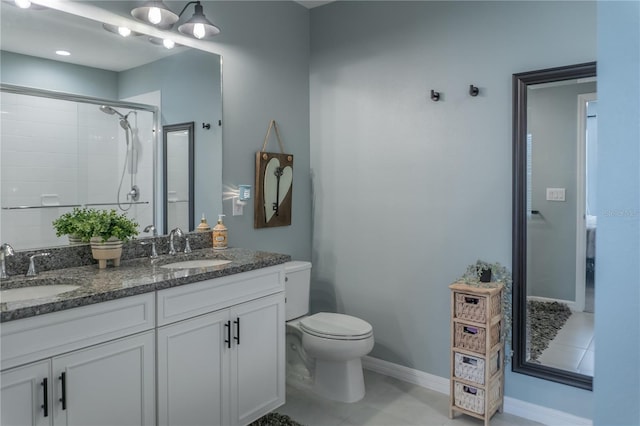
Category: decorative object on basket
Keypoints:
(545, 320)
(499, 274)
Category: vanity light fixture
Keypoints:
(122, 31)
(23, 4)
(166, 42)
(63, 53)
(158, 14)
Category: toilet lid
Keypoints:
(336, 326)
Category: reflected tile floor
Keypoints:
(573, 347)
(388, 402)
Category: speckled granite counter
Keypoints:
(135, 276)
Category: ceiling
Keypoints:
(40, 32)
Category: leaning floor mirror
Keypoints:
(554, 223)
(178, 144)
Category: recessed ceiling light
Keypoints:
(63, 53)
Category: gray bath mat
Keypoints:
(275, 419)
(544, 320)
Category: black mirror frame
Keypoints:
(190, 127)
(519, 210)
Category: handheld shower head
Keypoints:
(124, 123)
(109, 110)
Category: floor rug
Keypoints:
(275, 419)
(544, 320)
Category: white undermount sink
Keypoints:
(34, 292)
(203, 263)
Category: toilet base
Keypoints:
(339, 380)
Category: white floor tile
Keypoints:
(388, 402)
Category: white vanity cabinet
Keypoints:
(221, 353)
(26, 395)
(87, 374)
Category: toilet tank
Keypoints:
(296, 288)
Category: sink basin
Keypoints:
(203, 263)
(34, 292)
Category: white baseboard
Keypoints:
(538, 413)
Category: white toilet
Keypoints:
(324, 350)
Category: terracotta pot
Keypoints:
(107, 250)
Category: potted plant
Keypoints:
(71, 224)
(106, 230)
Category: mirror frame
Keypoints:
(190, 127)
(521, 81)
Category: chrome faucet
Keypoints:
(179, 233)
(32, 266)
(5, 250)
(152, 229)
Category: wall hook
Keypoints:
(473, 90)
(206, 126)
(435, 96)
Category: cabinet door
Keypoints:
(109, 384)
(26, 395)
(193, 371)
(257, 370)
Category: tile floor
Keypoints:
(388, 402)
(573, 347)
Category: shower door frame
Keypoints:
(52, 94)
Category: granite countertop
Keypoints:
(132, 277)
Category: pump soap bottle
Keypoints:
(220, 235)
(204, 226)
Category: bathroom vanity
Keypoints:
(147, 344)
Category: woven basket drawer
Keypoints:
(472, 398)
(476, 308)
(474, 338)
(472, 368)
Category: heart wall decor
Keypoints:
(274, 189)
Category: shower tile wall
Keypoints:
(56, 152)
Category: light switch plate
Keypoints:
(555, 194)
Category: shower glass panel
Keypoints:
(57, 154)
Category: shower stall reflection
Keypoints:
(58, 154)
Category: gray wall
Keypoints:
(191, 91)
(29, 71)
(407, 191)
(617, 382)
(551, 236)
(265, 51)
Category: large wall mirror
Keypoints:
(554, 223)
(113, 77)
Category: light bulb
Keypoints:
(23, 4)
(169, 44)
(154, 15)
(198, 31)
(124, 31)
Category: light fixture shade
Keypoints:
(155, 13)
(199, 26)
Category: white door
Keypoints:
(193, 371)
(26, 395)
(111, 384)
(258, 376)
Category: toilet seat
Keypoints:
(328, 325)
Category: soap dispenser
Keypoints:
(203, 226)
(220, 235)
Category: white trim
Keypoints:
(516, 407)
(572, 305)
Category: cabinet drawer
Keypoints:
(178, 303)
(474, 338)
(43, 336)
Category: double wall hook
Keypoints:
(206, 126)
(473, 90)
(435, 96)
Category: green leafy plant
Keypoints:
(87, 223)
(499, 274)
